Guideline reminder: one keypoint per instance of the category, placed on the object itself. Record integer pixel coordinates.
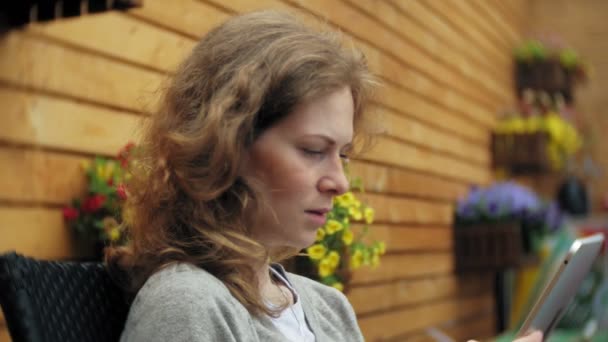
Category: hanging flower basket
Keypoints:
(494, 246)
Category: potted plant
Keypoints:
(96, 217)
(501, 226)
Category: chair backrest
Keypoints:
(60, 300)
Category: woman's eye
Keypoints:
(312, 152)
(345, 157)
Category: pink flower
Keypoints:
(70, 213)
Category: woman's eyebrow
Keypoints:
(329, 140)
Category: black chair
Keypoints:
(60, 300)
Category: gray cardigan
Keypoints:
(185, 303)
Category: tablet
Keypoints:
(563, 286)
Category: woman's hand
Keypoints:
(536, 336)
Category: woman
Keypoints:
(238, 170)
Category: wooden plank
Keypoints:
(479, 328)
(508, 15)
(395, 323)
(29, 61)
(39, 176)
(139, 42)
(400, 127)
(395, 153)
(401, 266)
(507, 30)
(485, 23)
(193, 17)
(391, 209)
(431, 14)
(409, 30)
(417, 107)
(400, 238)
(406, 25)
(388, 180)
(36, 232)
(345, 16)
(36, 119)
(482, 328)
(249, 6)
(387, 296)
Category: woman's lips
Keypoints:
(318, 217)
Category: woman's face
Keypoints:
(299, 163)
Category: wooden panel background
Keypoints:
(74, 88)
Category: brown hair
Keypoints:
(186, 201)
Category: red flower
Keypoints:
(93, 203)
(121, 191)
(70, 213)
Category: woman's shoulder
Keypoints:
(182, 302)
(182, 282)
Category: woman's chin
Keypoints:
(305, 241)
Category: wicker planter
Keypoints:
(548, 76)
(492, 246)
(521, 153)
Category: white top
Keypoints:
(292, 322)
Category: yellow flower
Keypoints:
(338, 285)
(512, 125)
(344, 200)
(355, 213)
(104, 172)
(347, 237)
(325, 268)
(334, 259)
(375, 261)
(356, 259)
(534, 124)
(320, 234)
(333, 226)
(85, 164)
(114, 234)
(316, 252)
(369, 215)
(381, 248)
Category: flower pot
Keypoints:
(492, 246)
(521, 152)
(548, 76)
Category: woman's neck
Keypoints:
(273, 292)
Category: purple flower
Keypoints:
(506, 201)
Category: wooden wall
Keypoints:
(74, 88)
(581, 25)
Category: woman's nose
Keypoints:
(334, 181)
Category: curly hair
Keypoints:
(187, 202)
